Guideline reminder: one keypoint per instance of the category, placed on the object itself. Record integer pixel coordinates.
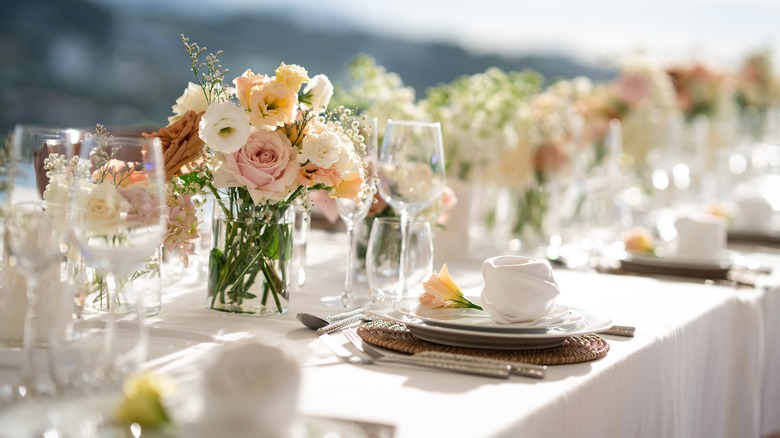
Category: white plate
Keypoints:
(475, 319)
(92, 416)
(671, 261)
(544, 337)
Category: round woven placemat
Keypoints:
(395, 336)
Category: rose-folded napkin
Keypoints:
(518, 288)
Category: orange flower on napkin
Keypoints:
(639, 240)
(441, 291)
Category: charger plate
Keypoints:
(396, 336)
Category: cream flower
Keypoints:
(318, 92)
(272, 105)
(103, 206)
(196, 99)
(441, 291)
(224, 127)
(293, 76)
(245, 83)
(323, 149)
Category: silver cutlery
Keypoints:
(500, 371)
(620, 330)
(375, 352)
(343, 323)
(518, 368)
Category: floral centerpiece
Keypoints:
(259, 148)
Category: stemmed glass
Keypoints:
(411, 174)
(353, 214)
(34, 237)
(117, 216)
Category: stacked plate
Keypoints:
(472, 328)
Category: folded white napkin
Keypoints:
(518, 288)
(247, 390)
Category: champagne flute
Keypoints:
(353, 213)
(117, 216)
(411, 174)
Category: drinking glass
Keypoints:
(34, 239)
(117, 211)
(385, 255)
(411, 173)
(353, 214)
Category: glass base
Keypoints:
(338, 301)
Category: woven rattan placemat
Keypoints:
(395, 336)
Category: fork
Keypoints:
(502, 369)
(499, 371)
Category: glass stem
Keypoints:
(30, 336)
(347, 296)
(405, 217)
(108, 346)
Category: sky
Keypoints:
(714, 31)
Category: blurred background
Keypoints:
(121, 62)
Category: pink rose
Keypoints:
(267, 166)
(145, 208)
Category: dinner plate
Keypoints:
(92, 416)
(671, 261)
(545, 337)
(475, 319)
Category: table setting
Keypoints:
(130, 308)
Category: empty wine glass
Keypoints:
(411, 173)
(117, 215)
(34, 237)
(353, 213)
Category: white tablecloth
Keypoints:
(701, 364)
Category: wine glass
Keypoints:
(34, 236)
(383, 256)
(411, 174)
(353, 213)
(117, 216)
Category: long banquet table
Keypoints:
(704, 362)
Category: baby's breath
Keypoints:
(213, 78)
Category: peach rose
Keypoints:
(311, 174)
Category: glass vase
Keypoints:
(143, 286)
(250, 261)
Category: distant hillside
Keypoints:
(74, 63)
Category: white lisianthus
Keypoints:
(321, 149)
(195, 99)
(224, 127)
(319, 90)
(103, 206)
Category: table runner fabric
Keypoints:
(395, 336)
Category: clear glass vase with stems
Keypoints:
(117, 214)
(353, 215)
(251, 259)
(410, 174)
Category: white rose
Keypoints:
(321, 90)
(224, 127)
(322, 149)
(103, 206)
(194, 99)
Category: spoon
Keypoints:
(313, 322)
